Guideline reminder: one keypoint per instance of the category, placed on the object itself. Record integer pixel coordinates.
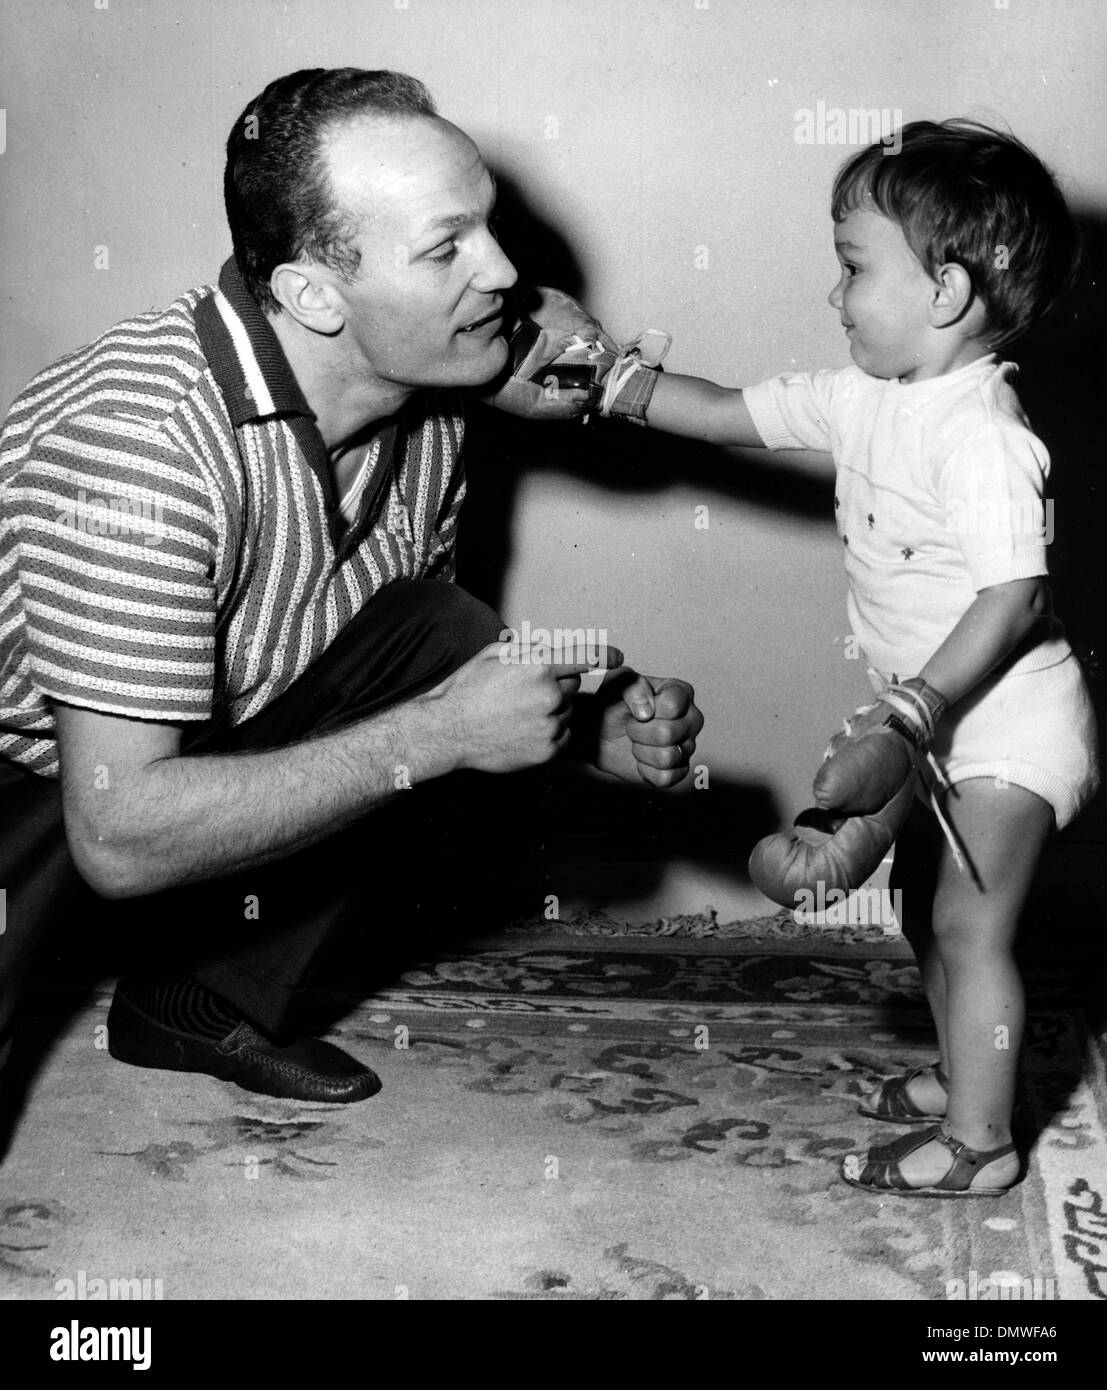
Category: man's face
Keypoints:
(425, 306)
(882, 295)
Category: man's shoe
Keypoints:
(308, 1069)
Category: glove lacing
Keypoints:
(637, 356)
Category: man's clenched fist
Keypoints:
(639, 728)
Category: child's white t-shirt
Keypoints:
(939, 494)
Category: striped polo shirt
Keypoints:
(171, 544)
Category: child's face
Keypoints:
(883, 296)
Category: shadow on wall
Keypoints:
(619, 457)
(625, 834)
(539, 252)
(1060, 385)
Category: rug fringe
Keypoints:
(782, 925)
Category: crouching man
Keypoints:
(226, 562)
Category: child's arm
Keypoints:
(699, 409)
(998, 620)
(993, 625)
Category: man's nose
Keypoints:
(493, 271)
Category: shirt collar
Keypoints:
(245, 355)
(257, 383)
(933, 385)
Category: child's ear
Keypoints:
(952, 296)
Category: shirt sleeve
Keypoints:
(115, 537)
(992, 488)
(793, 411)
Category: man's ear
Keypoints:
(953, 295)
(305, 293)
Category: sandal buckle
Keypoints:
(957, 1147)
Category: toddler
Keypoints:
(949, 250)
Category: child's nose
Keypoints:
(834, 298)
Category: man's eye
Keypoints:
(446, 256)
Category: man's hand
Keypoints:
(509, 707)
(561, 320)
(639, 728)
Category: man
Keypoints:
(227, 630)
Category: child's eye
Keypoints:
(851, 269)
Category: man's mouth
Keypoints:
(495, 317)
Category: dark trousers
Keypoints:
(254, 937)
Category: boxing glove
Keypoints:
(837, 851)
(864, 790)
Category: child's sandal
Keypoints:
(895, 1106)
(879, 1170)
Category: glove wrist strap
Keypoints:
(627, 389)
(918, 708)
(629, 384)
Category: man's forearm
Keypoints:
(183, 819)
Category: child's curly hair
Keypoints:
(965, 193)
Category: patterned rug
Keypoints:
(560, 1121)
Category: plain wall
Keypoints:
(655, 141)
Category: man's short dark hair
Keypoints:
(963, 192)
(280, 203)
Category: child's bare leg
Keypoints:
(914, 877)
(1003, 831)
